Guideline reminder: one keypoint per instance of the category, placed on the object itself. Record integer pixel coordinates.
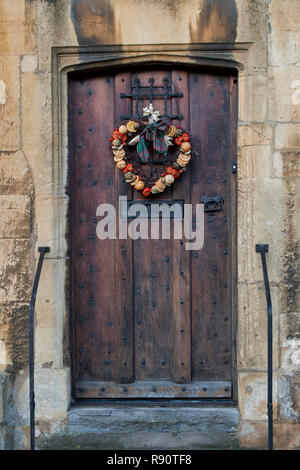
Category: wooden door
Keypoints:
(150, 318)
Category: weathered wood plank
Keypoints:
(154, 389)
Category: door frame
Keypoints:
(91, 58)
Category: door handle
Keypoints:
(212, 203)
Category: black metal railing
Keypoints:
(42, 250)
(263, 249)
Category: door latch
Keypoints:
(212, 203)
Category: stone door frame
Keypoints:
(84, 58)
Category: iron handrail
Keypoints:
(42, 250)
(263, 249)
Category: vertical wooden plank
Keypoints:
(153, 285)
(181, 257)
(211, 300)
(124, 254)
(93, 260)
(233, 225)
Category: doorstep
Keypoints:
(153, 428)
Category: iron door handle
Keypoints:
(212, 203)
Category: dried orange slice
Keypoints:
(132, 126)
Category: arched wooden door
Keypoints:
(149, 318)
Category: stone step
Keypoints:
(126, 427)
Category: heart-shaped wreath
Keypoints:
(159, 134)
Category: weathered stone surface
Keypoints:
(254, 434)
(49, 304)
(254, 134)
(289, 406)
(146, 428)
(287, 436)
(15, 176)
(141, 440)
(12, 34)
(15, 279)
(283, 49)
(14, 334)
(252, 326)
(9, 111)
(15, 216)
(286, 164)
(29, 63)
(290, 342)
(122, 419)
(52, 392)
(254, 161)
(285, 15)
(282, 105)
(253, 396)
(261, 201)
(287, 136)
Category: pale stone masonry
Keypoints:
(33, 204)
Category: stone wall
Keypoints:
(268, 194)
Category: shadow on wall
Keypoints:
(97, 21)
(217, 22)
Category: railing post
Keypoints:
(263, 249)
(42, 250)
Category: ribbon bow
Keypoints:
(154, 132)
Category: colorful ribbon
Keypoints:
(154, 133)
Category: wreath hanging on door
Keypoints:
(156, 136)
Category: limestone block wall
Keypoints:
(268, 194)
